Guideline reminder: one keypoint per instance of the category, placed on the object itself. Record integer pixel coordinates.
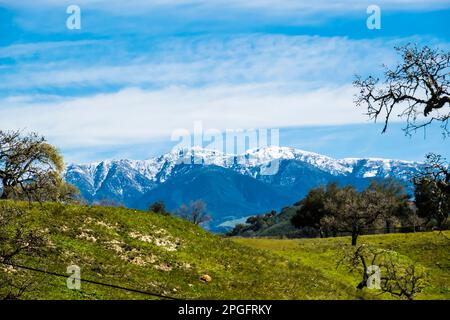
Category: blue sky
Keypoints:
(137, 70)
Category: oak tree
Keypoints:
(417, 89)
(31, 169)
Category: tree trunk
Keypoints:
(4, 194)
(354, 236)
(363, 282)
(388, 226)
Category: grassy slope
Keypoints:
(157, 253)
(431, 250)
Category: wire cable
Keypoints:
(91, 281)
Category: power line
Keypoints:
(90, 281)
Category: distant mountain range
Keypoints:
(233, 187)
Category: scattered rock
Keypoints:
(163, 267)
(9, 269)
(206, 278)
(142, 261)
(159, 238)
(185, 265)
(104, 224)
(85, 234)
(116, 246)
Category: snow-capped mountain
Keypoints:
(232, 186)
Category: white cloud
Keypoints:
(27, 49)
(199, 61)
(136, 116)
(251, 81)
(242, 82)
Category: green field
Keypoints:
(430, 250)
(167, 255)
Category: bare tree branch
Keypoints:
(417, 89)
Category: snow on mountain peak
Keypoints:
(158, 169)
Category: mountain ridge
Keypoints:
(135, 183)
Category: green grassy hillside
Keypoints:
(166, 255)
(430, 250)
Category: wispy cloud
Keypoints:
(135, 115)
(305, 6)
(101, 17)
(139, 69)
(31, 49)
(299, 61)
(228, 82)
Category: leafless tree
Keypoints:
(417, 89)
(398, 275)
(195, 213)
(17, 239)
(361, 256)
(402, 280)
(438, 169)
